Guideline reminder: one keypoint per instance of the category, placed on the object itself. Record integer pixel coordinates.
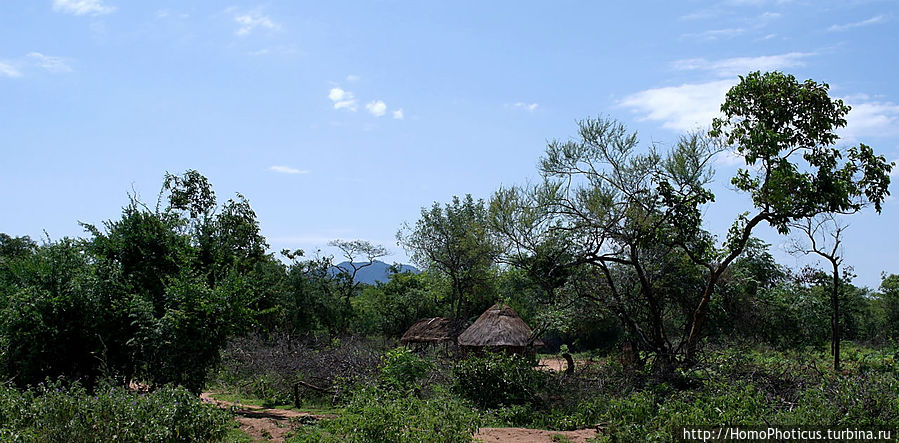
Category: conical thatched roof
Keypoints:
(498, 326)
(433, 330)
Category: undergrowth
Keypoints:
(57, 413)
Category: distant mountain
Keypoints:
(377, 272)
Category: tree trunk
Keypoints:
(835, 319)
(569, 370)
(699, 319)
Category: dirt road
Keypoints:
(262, 424)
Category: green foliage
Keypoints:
(860, 401)
(54, 413)
(311, 300)
(733, 386)
(631, 218)
(889, 304)
(790, 316)
(497, 379)
(390, 308)
(376, 415)
(770, 117)
(456, 240)
(153, 295)
(403, 369)
(48, 315)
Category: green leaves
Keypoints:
(786, 131)
(152, 295)
(456, 240)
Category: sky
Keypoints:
(341, 120)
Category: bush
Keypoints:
(378, 415)
(53, 413)
(862, 400)
(497, 379)
(402, 369)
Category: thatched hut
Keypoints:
(433, 331)
(499, 328)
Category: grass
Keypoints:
(236, 435)
(67, 412)
(731, 385)
(312, 408)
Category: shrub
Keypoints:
(53, 413)
(498, 379)
(402, 369)
(378, 415)
(861, 400)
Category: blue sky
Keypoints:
(343, 119)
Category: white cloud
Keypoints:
(732, 67)
(82, 7)
(398, 114)
(681, 108)
(352, 78)
(165, 13)
(869, 118)
(251, 20)
(701, 14)
(287, 170)
(52, 64)
(691, 106)
(376, 108)
(715, 34)
(848, 26)
(530, 107)
(342, 99)
(8, 70)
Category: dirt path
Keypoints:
(510, 435)
(273, 425)
(553, 364)
(262, 424)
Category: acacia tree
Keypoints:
(626, 214)
(454, 240)
(359, 254)
(619, 215)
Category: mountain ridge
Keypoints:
(377, 272)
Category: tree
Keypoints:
(176, 281)
(889, 290)
(390, 308)
(785, 131)
(354, 250)
(49, 315)
(823, 233)
(455, 240)
(630, 215)
(619, 218)
(16, 247)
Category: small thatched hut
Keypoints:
(432, 331)
(498, 328)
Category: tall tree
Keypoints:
(618, 216)
(359, 254)
(786, 132)
(628, 214)
(455, 240)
